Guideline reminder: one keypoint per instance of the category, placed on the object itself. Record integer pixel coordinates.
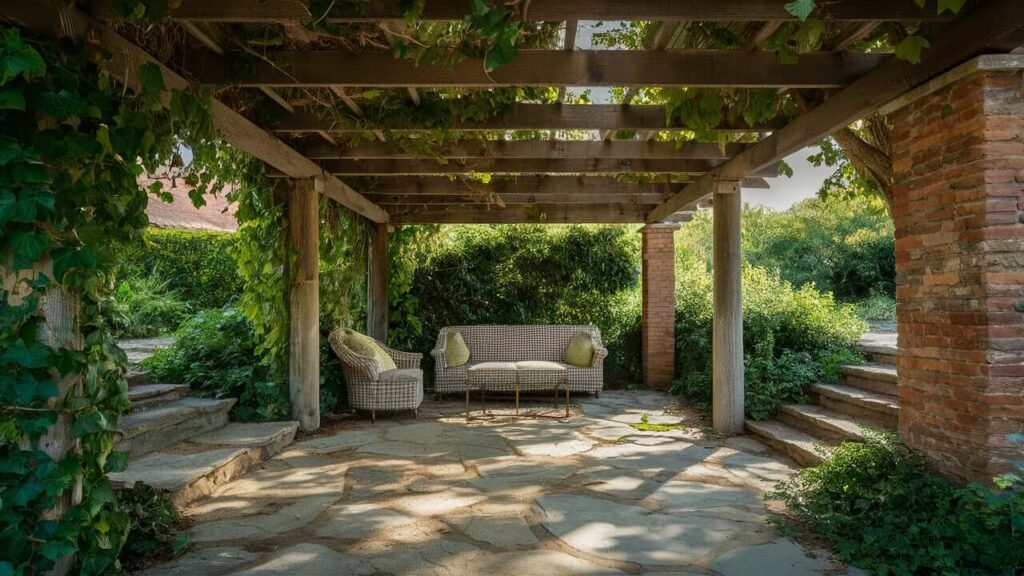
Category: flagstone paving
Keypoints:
(530, 495)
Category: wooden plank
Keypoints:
(985, 26)
(412, 167)
(553, 149)
(377, 283)
(535, 213)
(387, 200)
(854, 35)
(542, 68)
(763, 34)
(537, 117)
(304, 302)
(272, 11)
(568, 43)
(727, 328)
(54, 18)
(573, 185)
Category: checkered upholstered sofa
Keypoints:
(493, 343)
(373, 390)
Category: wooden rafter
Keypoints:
(987, 25)
(388, 200)
(540, 117)
(576, 185)
(49, 17)
(568, 44)
(270, 11)
(721, 68)
(552, 149)
(666, 31)
(520, 214)
(416, 166)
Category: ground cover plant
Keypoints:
(143, 307)
(881, 508)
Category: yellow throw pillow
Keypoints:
(580, 351)
(365, 346)
(456, 353)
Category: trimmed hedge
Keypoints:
(196, 264)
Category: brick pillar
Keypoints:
(658, 320)
(958, 206)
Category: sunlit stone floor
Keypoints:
(531, 495)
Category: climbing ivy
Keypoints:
(72, 144)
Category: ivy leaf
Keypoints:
(7, 206)
(151, 80)
(9, 150)
(801, 8)
(911, 47)
(31, 357)
(54, 549)
(91, 423)
(953, 6)
(28, 246)
(67, 259)
(12, 100)
(19, 59)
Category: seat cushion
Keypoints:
(492, 367)
(366, 346)
(402, 375)
(527, 365)
(456, 353)
(580, 351)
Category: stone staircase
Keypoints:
(185, 445)
(864, 398)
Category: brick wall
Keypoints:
(958, 206)
(659, 305)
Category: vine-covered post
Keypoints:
(304, 301)
(727, 342)
(377, 289)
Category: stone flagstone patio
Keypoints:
(533, 495)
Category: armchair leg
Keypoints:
(416, 413)
(373, 415)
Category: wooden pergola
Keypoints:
(540, 179)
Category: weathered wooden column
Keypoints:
(727, 343)
(658, 316)
(304, 302)
(377, 289)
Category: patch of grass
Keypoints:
(645, 425)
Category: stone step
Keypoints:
(805, 449)
(151, 430)
(137, 377)
(195, 468)
(821, 422)
(879, 409)
(880, 348)
(149, 396)
(873, 377)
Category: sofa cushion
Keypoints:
(580, 351)
(493, 367)
(402, 375)
(456, 353)
(366, 346)
(528, 365)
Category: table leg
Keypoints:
(566, 384)
(467, 403)
(483, 400)
(517, 399)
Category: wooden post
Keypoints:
(304, 302)
(727, 395)
(377, 279)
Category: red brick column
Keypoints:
(958, 206)
(658, 320)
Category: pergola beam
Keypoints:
(542, 68)
(537, 117)
(500, 185)
(987, 25)
(56, 19)
(414, 166)
(272, 11)
(553, 149)
(511, 199)
(534, 213)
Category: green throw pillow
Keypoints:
(456, 353)
(365, 346)
(580, 351)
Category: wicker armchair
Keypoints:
(373, 390)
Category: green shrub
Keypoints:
(214, 352)
(143, 307)
(877, 307)
(152, 534)
(884, 511)
(831, 360)
(785, 329)
(196, 264)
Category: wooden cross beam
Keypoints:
(554, 149)
(522, 214)
(696, 68)
(415, 166)
(533, 117)
(272, 11)
(987, 25)
(468, 199)
(538, 185)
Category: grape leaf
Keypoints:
(911, 47)
(801, 8)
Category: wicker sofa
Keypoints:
(494, 343)
(373, 390)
